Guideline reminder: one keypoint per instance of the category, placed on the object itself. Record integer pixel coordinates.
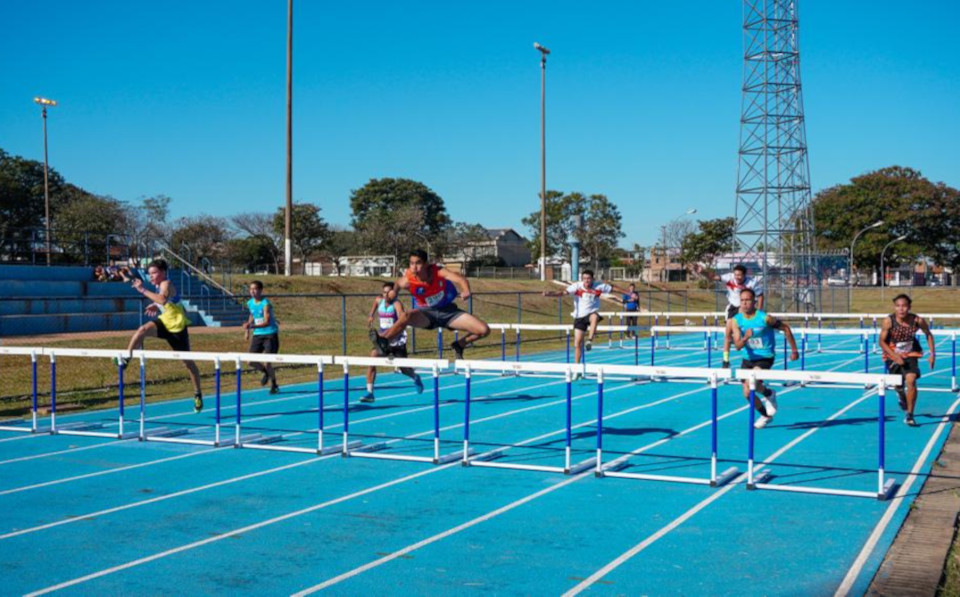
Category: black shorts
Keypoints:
(178, 341)
(397, 352)
(442, 317)
(583, 323)
(910, 365)
(757, 364)
(732, 311)
(265, 343)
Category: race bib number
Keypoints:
(755, 343)
(259, 320)
(434, 300)
(386, 322)
(903, 347)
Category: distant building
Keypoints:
(503, 246)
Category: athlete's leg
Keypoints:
(147, 330)
(577, 345)
(911, 389)
(594, 322)
(194, 375)
(412, 318)
(474, 327)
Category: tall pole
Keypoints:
(543, 159)
(43, 102)
(883, 269)
(287, 216)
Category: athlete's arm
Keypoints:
(784, 327)
(373, 309)
(399, 307)
(760, 301)
(931, 343)
(739, 340)
(401, 284)
(885, 343)
(267, 317)
(463, 286)
(159, 298)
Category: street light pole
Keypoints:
(288, 212)
(883, 254)
(543, 159)
(44, 102)
(850, 272)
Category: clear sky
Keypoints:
(187, 99)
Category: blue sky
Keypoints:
(187, 99)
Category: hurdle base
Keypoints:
(612, 467)
(581, 466)
(458, 455)
(484, 457)
(163, 432)
(361, 450)
(17, 425)
(759, 479)
(725, 477)
(888, 488)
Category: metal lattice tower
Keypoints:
(774, 218)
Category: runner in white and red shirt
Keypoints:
(586, 304)
(734, 282)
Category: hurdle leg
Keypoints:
(436, 415)
(751, 484)
(503, 344)
(439, 343)
(143, 396)
(466, 417)
(953, 366)
(803, 352)
(819, 334)
(636, 348)
(346, 410)
(598, 470)
(730, 473)
(568, 346)
(120, 401)
(216, 410)
(653, 347)
(517, 357)
(33, 367)
(568, 377)
(53, 393)
(319, 407)
(238, 419)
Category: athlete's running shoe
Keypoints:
(770, 403)
(264, 378)
(122, 362)
(761, 422)
(419, 383)
(457, 349)
(908, 420)
(197, 402)
(367, 398)
(588, 345)
(726, 364)
(274, 389)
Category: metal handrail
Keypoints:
(204, 277)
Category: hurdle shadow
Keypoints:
(805, 425)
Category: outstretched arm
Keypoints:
(778, 324)
(931, 343)
(463, 286)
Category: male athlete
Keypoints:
(388, 310)
(734, 282)
(434, 291)
(170, 324)
(754, 330)
(586, 306)
(266, 333)
(902, 352)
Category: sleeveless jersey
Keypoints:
(387, 315)
(257, 312)
(173, 315)
(902, 337)
(436, 293)
(762, 342)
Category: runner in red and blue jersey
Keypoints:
(434, 293)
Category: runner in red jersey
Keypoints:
(902, 351)
(434, 291)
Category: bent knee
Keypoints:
(484, 330)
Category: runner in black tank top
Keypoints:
(902, 352)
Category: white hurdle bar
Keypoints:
(32, 352)
(612, 468)
(757, 479)
(486, 459)
(348, 449)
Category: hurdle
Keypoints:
(613, 468)
(279, 442)
(758, 479)
(11, 424)
(378, 450)
(87, 429)
(486, 459)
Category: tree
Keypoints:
(928, 213)
(465, 242)
(307, 229)
(601, 231)
(397, 234)
(87, 225)
(340, 243)
(559, 211)
(259, 226)
(714, 238)
(200, 237)
(380, 199)
(251, 253)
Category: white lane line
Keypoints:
(284, 517)
(847, 584)
(623, 558)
